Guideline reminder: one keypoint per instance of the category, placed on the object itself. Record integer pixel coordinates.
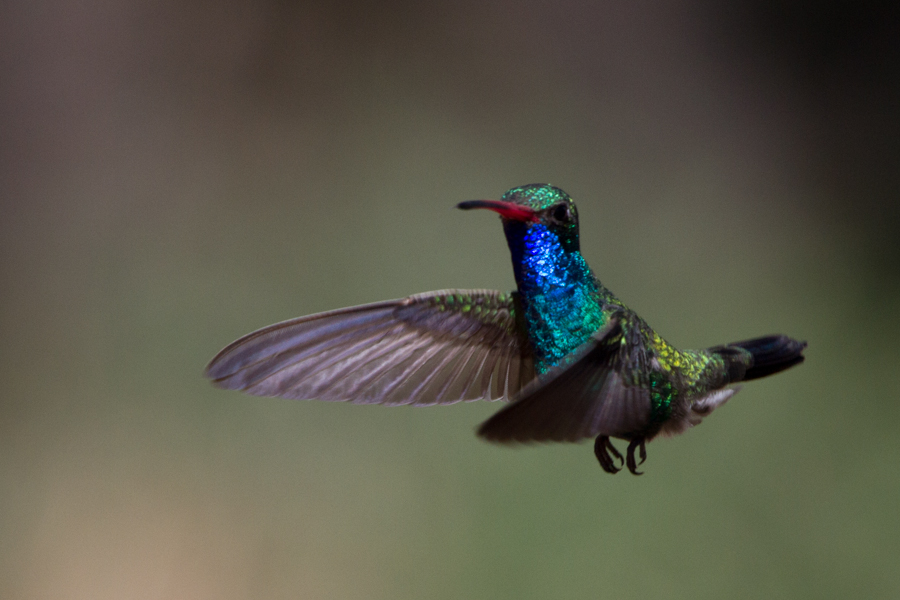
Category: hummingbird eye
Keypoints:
(561, 213)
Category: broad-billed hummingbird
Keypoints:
(573, 360)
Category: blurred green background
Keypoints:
(176, 174)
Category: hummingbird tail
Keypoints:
(771, 354)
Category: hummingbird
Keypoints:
(571, 359)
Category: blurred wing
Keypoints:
(435, 348)
(598, 392)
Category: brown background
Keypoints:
(175, 174)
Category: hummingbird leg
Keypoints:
(632, 463)
(602, 449)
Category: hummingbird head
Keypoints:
(534, 204)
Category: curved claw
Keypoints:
(602, 450)
(632, 463)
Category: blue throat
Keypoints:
(560, 295)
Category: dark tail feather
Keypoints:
(771, 354)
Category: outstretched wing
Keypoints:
(434, 348)
(599, 391)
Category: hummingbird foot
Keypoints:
(632, 464)
(602, 450)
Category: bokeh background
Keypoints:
(176, 174)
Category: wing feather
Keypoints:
(597, 392)
(435, 348)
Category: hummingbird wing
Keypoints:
(434, 348)
(601, 390)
